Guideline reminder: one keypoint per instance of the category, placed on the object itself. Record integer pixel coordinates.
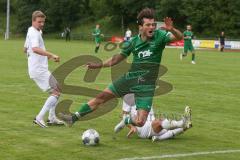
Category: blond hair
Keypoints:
(38, 14)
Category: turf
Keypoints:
(211, 88)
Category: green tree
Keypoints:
(24, 13)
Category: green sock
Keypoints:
(74, 118)
(84, 109)
(128, 120)
(193, 57)
(96, 49)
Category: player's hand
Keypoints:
(168, 24)
(91, 65)
(56, 58)
(132, 131)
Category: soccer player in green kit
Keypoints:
(146, 48)
(188, 46)
(97, 36)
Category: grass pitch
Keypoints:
(211, 88)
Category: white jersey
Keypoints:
(146, 130)
(128, 33)
(37, 64)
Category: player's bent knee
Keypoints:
(54, 92)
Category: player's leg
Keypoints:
(43, 82)
(128, 102)
(193, 54)
(52, 118)
(165, 129)
(184, 53)
(168, 134)
(185, 122)
(54, 92)
(143, 105)
(222, 47)
(116, 89)
(88, 107)
(159, 124)
(97, 41)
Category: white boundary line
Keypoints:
(181, 155)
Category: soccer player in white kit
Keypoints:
(38, 69)
(157, 129)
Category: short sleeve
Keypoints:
(168, 37)
(127, 48)
(34, 39)
(163, 36)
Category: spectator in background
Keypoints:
(222, 41)
(128, 35)
(68, 34)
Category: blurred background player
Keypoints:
(67, 34)
(188, 46)
(153, 127)
(38, 69)
(222, 41)
(128, 35)
(97, 36)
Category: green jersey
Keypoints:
(142, 76)
(188, 34)
(147, 55)
(96, 33)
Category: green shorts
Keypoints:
(143, 91)
(188, 47)
(98, 40)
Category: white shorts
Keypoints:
(45, 81)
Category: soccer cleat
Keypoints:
(193, 62)
(55, 122)
(154, 138)
(40, 123)
(187, 117)
(66, 118)
(119, 126)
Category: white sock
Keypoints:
(170, 134)
(49, 103)
(52, 112)
(177, 131)
(171, 124)
(166, 135)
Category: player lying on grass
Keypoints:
(153, 126)
(147, 49)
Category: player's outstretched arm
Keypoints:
(108, 63)
(176, 34)
(50, 55)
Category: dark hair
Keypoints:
(145, 13)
